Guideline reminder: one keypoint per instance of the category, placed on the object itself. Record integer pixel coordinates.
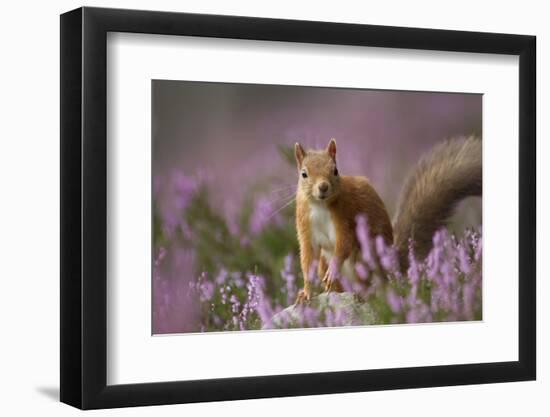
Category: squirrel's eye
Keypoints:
(336, 171)
(304, 174)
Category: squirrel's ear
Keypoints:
(299, 153)
(331, 149)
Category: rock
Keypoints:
(326, 310)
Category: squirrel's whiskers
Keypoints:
(288, 203)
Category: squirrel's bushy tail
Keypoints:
(450, 172)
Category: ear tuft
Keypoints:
(299, 153)
(331, 149)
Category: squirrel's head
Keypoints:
(319, 179)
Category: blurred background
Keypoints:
(224, 174)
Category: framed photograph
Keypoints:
(257, 208)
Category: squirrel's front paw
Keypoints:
(330, 280)
(304, 297)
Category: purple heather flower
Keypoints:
(263, 215)
(438, 238)
(479, 249)
(160, 256)
(412, 299)
(413, 271)
(464, 262)
(232, 226)
(222, 276)
(235, 304)
(358, 288)
(363, 236)
(265, 312)
(289, 279)
(419, 314)
(314, 278)
(185, 230)
(434, 260)
(170, 222)
(237, 280)
(347, 285)
(223, 295)
(361, 271)
(206, 290)
(232, 217)
(174, 300)
(255, 288)
(394, 301)
(217, 321)
(289, 259)
(184, 187)
(387, 255)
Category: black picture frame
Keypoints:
(84, 207)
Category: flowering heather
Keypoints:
(263, 215)
(205, 279)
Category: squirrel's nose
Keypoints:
(323, 187)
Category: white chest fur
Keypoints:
(323, 234)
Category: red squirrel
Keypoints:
(327, 205)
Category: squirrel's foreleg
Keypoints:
(342, 251)
(308, 254)
(307, 257)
